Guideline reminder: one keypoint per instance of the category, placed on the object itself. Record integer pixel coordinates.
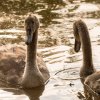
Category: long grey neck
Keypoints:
(32, 51)
(86, 46)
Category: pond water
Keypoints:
(55, 42)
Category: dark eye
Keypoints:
(32, 22)
(28, 31)
(26, 21)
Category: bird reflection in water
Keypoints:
(34, 93)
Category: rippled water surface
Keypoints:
(55, 42)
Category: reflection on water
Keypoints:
(35, 93)
(56, 18)
(97, 1)
(11, 6)
(55, 42)
(32, 94)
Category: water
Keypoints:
(55, 43)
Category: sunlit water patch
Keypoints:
(86, 7)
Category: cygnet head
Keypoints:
(31, 26)
(77, 44)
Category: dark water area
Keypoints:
(55, 42)
(56, 18)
